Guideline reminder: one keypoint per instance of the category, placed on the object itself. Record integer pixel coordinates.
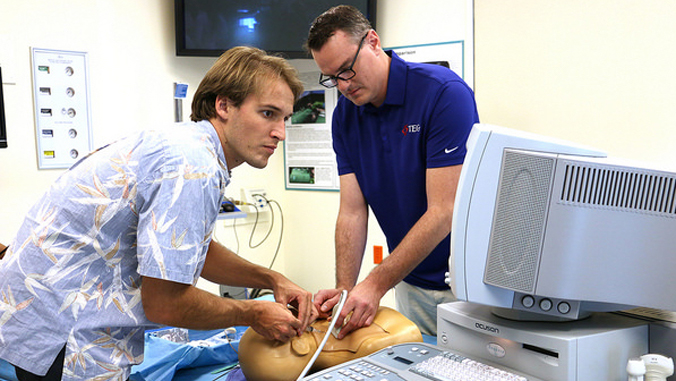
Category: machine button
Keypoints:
(528, 301)
(496, 350)
(564, 307)
(546, 304)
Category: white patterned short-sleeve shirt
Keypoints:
(142, 206)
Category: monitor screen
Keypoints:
(3, 124)
(557, 229)
(209, 27)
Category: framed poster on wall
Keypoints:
(449, 54)
(62, 111)
(310, 163)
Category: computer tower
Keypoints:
(591, 349)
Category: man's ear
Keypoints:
(223, 107)
(373, 40)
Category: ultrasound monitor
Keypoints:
(559, 230)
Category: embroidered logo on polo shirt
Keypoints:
(410, 129)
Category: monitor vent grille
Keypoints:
(622, 189)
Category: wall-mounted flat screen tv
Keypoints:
(210, 27)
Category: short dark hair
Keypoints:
(239, 72)
(342, 17)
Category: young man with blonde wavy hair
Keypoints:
(117, 243)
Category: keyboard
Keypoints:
(451, 367)
(417, 362)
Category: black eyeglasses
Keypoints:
(344, 75)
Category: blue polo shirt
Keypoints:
(424, 123)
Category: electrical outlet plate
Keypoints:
(256, 196)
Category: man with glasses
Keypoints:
(399, 134)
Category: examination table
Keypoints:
(207, 356)
(201, 359)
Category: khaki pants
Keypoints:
(420, 305)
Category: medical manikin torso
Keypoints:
(266, 360)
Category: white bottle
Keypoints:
(635, 369)
(658, 367)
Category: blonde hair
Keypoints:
(237, 73)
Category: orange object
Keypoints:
(377, 254)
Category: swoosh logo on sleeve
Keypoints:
(451, 150)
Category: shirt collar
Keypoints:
(396, 82)
(216, 141)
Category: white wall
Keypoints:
(597, 72)
(594, 72)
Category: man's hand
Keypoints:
(225, 267)
(287, 292)
(325, 300)
(361, 306)
(273, 320)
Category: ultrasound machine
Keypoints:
(551, 241)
